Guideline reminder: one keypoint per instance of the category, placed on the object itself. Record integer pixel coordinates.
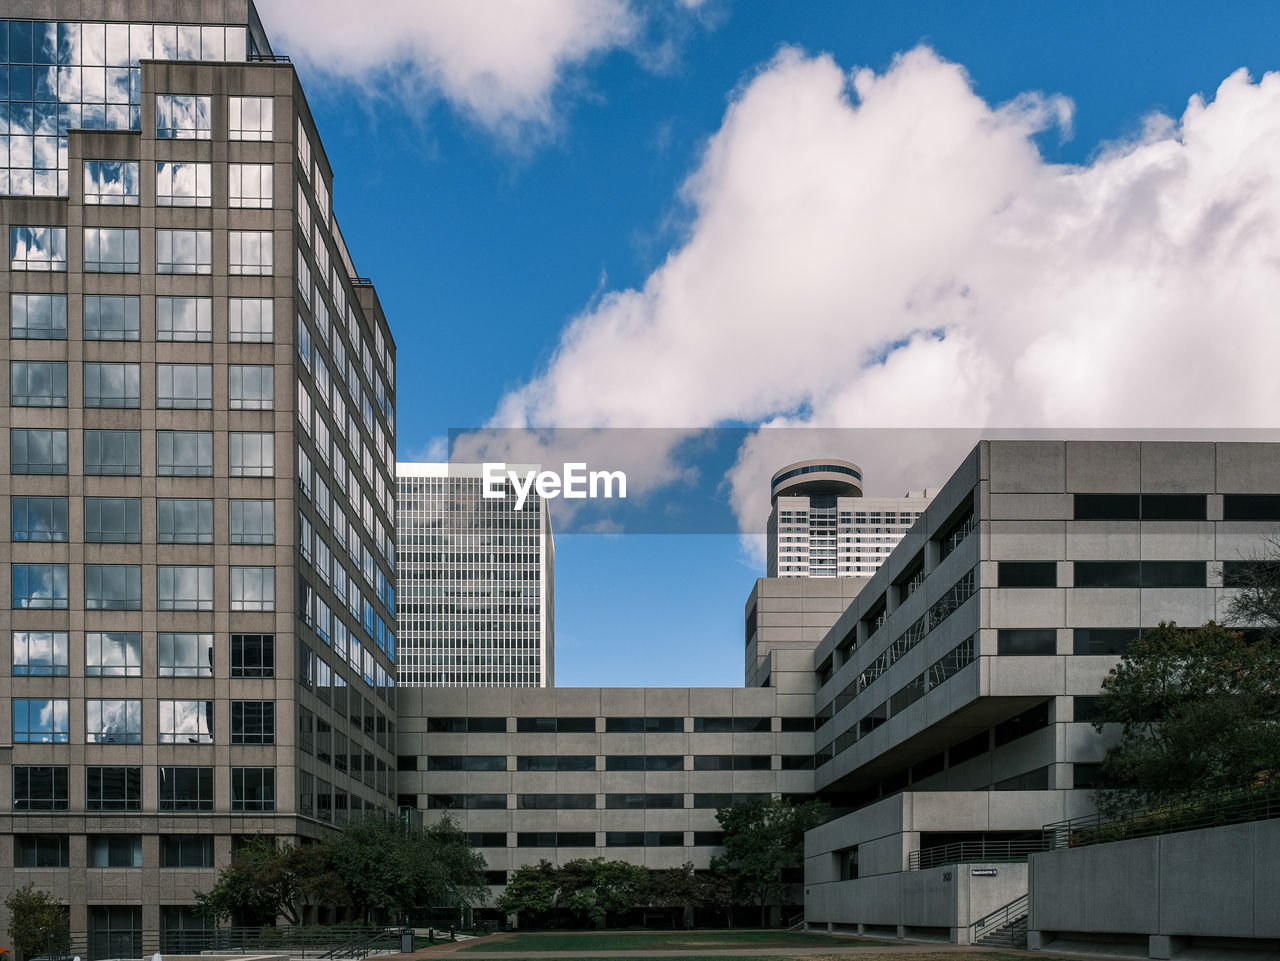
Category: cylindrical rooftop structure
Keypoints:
(807, 478)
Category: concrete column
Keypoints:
(1036, 940)
(902, 932)
(1161, 947)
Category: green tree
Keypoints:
(589, 889)
(1199, 714)
(265, 881)
(38, 922)
(1256, 603)
(762, 838)
(531, 893)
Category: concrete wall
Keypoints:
(1214, 883)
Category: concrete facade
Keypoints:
(1162, 894)
(950, 688)
(477, 582)
(216, 660)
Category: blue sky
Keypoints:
(488, 226)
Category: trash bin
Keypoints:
(406, 941)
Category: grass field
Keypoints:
(683, 941)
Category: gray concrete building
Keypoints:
(955, 692)
(626, 773)
(197, 462)
(820, 525)
(477, 582)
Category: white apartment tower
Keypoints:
(477, 602)
(822, 526)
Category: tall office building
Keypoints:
(477, 598)
(198, 468)
(820, 525)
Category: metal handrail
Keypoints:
(1240, 808)
(965, 851)
(268, 58)
(1014, 911)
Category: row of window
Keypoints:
(118, 520)
(1173, 507)
(114, 850)
(117, 250)
(1149, 574)
(179, 453)
(118, 587)
(580, 802)
(43, 383)
(46, 720)
(117, 317)
(107, 789)
(612, 725)
(119, 654)
(612, 762)
(177, 184)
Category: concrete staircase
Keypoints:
(1011, 935)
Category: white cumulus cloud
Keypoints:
(499, 62)
(889, 249)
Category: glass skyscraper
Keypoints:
(199, 559)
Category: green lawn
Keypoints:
(658, 941)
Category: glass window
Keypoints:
(185, 654)
(184, 588)
(251, 386)
(112, 182)
(184, 251)
(115, 851)
(184, 318)
(1251, 507)
(37, 383)
(112, 587)
(250, 118)
(253, 789)
(113, 788)
(38, 248)
(112, 385)
(184, 520)
(253, 722)
(113, 721)
(184, 386)
(41, 720)
(253, 588)
(186, 789)
(250, 320)
(304, 150)
(40, 586)
(1027, 573)
(253, 655)
(38, 316)
(41, 851)
(184, 453)
(183, 117)
(253, 522)
(113, 520)
(113, 654)
(186, 851)
(1027, 641)
(111, 250)
(185, 721)
(40, 654)
(110, 317)
(251, 185)
(249, 252)
(252, 454)
(40, 788)
(37, 451)
(180, 184)
(113, 452)
(38, 518)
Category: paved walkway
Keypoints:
(852, 949)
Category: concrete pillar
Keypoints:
(1036, 940)
(1162, 947)
(862, 928)
(902, 932)
(831, 926)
